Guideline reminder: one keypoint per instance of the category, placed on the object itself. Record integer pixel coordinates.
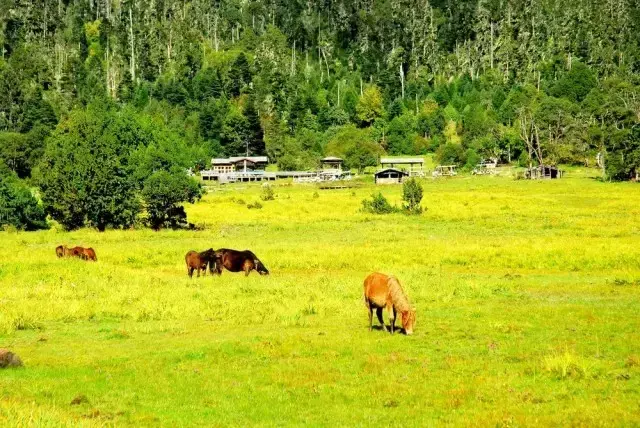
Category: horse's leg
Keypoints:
(190, 271)
(370, 315)
(379, 314)
(392, 317)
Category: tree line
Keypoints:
(526, 81)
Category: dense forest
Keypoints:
(164, 85)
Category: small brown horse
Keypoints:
(89, 254)
(239, 261)
(199, 261)
(382, 291)
(61, 250)
(80, 252)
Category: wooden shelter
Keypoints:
(390, 176)
(414, 166)
(542, 172)
(331, 163)
(249, 163)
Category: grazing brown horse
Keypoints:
(239, 261)
(80, 252)
(89, 254)
(199, 261)
(61, 250)
(382, 291)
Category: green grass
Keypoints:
(527, 298)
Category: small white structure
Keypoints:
(486, 167)
(445, 171)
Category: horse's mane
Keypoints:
(398, 298)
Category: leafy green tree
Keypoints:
(255, 134)
(239, 75)
(401, 135)
(163, 192)
(356, 146)
(450, 154)
(576, 84)
(430, 120)
(412, 196)
(622, 160)
(369, 107)
(18, 207)
(85, 174)
(207, 84)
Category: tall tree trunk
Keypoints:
(132, 61)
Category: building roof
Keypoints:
(235, 159)
(331, 159)
(254, 159)
(399, 171)
(389, 160)
(220, 161)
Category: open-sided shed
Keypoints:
(390, 176)
(412, 165)
(544, 172)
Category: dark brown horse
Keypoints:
(239, 261)
(61, 250)
(199, 261)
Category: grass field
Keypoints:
(527, 298)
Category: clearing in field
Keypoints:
(527, 298)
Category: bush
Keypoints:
(256, 205)
(473, 159)
(378, 205)
(412, 195)
(267, 193)
(162, 193)
(18, 207)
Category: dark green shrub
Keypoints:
(163, 192)
(378, 204)
(18, 207)
(412, 195)
(267, 193)
(255, 205)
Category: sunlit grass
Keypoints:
(527, 297)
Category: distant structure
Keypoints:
(542, 172)
(252, 168)
(390, 176)
(445, 171)
(486, 167)
(238, 168)
(239, 164)
(331, 163)
(413, 166)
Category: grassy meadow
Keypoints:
(527, 297)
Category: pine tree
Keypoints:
(255, 134)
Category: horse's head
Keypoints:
(409, 321)
(262, 270)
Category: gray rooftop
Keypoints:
(388, 160)
(234, 159)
